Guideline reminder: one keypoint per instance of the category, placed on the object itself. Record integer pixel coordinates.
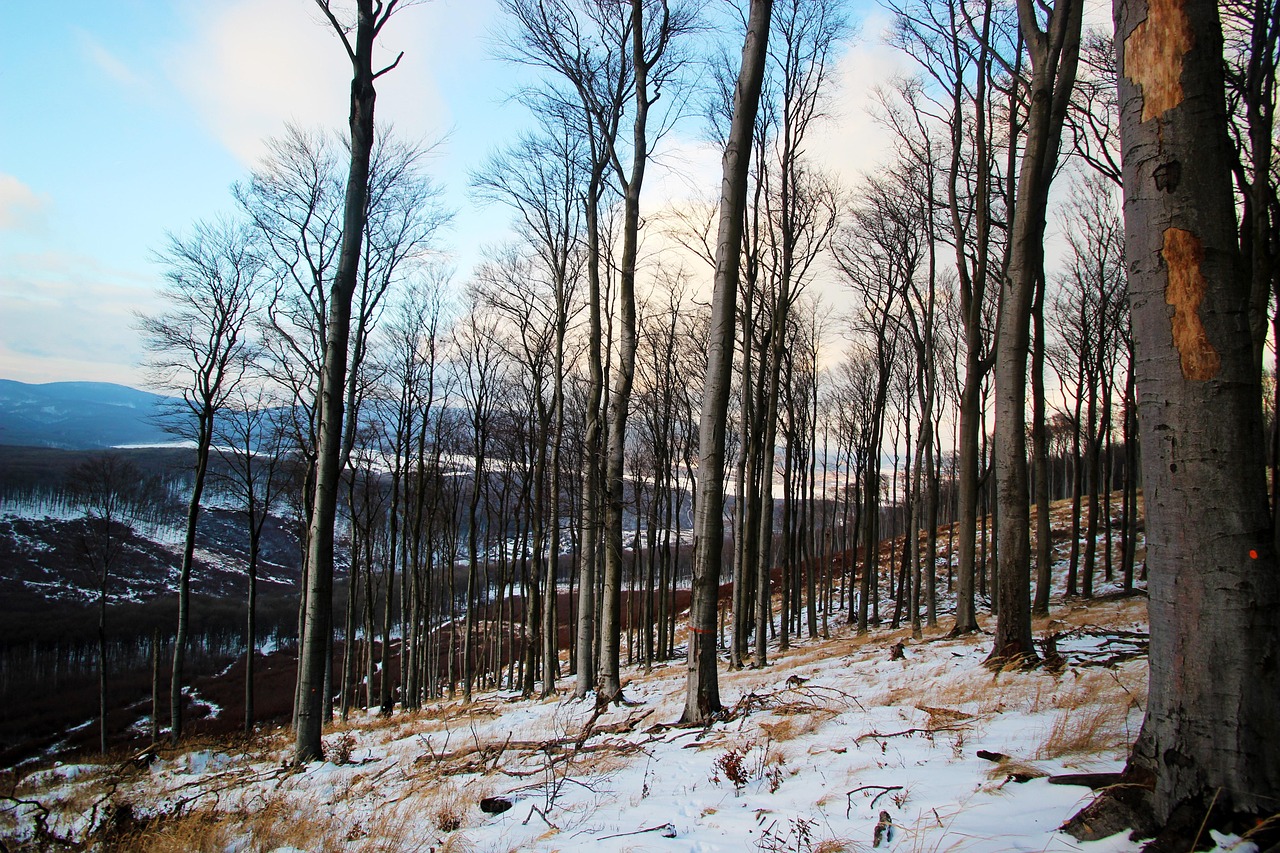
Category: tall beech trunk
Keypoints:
(702, 692)
(1054, 53)
(371, 16)
(1214, 701)
(1040, 455)
(585, 643)
(251, 623)
(155, 685)
(102, 655)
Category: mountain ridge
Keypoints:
(79, 415)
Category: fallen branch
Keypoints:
(1087, 780)
(908, 732)
(533, 808)
(668, 830)
(883, 789)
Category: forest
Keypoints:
(797, 408)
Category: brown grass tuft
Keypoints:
(833, 845)
(1086, 729)
(792, 726)
(210, 831)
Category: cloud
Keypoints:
(250, 66)
(852, 143)
(65, 316)
(21, 208)
(109, 63)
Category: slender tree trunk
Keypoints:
(1040, 453)
(155, 685)
(205, 438)
(1054, 54)
(102, 655)
(251, 629)
(702, 693)
(319, 591)
(586, 657)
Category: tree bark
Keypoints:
(702, 691)
(1214, 587)
(319, 589)
(203, 440)
(1054, 53)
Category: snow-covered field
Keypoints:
(832, 745)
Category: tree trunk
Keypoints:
(251, 627)
(1053, 67)
(702, 693)
(1214, 587)
(155, 685)
(102, 656)
(319, 589)
(1040, 453)
(204, 439)
(586, 658)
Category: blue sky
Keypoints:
(129, 118)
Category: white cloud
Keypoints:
(21, 208)
(852, 143)
(65, 316)
(250, 66)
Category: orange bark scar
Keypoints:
(1153, 55)
(1183, 253)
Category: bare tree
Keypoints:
(585, 47)
(959, 47)
(252, 443)
(479, 365)
(543, 179)
(1214, 588)
(879, 254)
(295, 198)
(1053, 47)
(371, 17)
(200, 348)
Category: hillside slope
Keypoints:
(817, 750)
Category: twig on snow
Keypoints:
(883, 789)
(668, 830)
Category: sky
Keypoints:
(130, 119)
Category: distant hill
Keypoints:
(78, 415)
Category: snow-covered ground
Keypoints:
(831, 741)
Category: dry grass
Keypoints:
(793, 726)
(276, 825)
(1013, 767)
(1085, 730)
(210, 831)
(199, 832)
(447, 815)
(833, 845)
(973, 691)
(819, 651)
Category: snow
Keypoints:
(825, 739)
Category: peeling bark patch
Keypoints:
(1182, 254)
(1153, 55)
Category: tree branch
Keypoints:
(389, 67)
(337, 27)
